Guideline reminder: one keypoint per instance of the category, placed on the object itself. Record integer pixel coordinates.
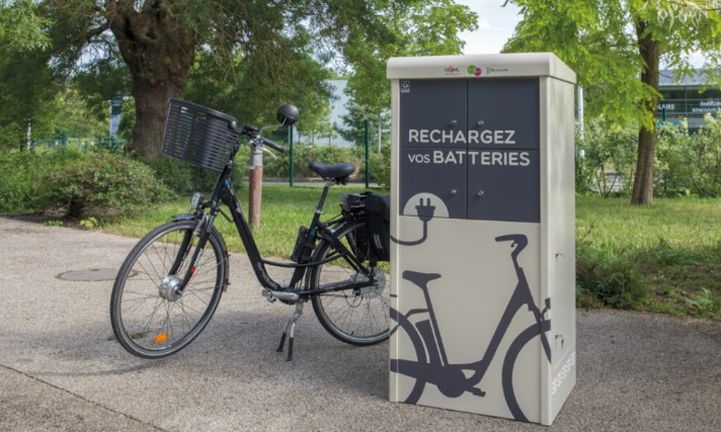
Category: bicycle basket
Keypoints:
(198, 135)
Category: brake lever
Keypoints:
(269, 152)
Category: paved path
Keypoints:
(60, 370)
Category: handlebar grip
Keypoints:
(274, 145)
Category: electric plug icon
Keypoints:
(425, 211)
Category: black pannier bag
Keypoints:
(378, 221)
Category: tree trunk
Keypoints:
(151, 105)
(159, 50)
(643, 180)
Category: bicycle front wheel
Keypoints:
(357, 316)
(151, 318)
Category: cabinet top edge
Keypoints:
(480, 66)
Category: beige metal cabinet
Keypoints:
(483, 293)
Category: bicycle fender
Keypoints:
(182, 217)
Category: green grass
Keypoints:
(675, 245)
(284, 210)
(661, 258)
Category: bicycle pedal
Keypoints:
(477, 392)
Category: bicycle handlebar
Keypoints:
(251, 132)
(272, 144)
(520, 241)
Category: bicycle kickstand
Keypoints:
(289, 331)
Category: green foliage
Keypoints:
(20, 188)
(599, 40)
(607, 150)
(99, 183)
(184, 179)
(21, 27)
(89, 223)
(304, 154)
(380, 165)
(690, 163)
(410, 28)
(611, 279)
(82, 184)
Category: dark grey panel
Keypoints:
(441, 172)
(508, 112)
(504, 185)
(433, 105)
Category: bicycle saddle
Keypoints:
(420, 279)
(334, 171)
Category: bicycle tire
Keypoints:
(417, 391)
(509, 362)
(128, 339)
(330, 324)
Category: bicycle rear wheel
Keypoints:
(150, 317)
(355, 316)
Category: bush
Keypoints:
(608, 152)
(82, 184)
(20, 190)
(689, 163)
(610, 279)
(184, 179)
(99, 182)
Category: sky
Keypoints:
(495, 26)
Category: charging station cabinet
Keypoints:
(483, 234)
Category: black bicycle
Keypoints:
(431, 365)
(170, 284)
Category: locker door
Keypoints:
(432, 153)
(503, 150)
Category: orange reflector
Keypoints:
(160, 338)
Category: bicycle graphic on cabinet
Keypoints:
(431, 365)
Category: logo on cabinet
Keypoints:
(405, 86)
(451, 70)
(479, 70)
(475, 71)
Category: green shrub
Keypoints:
(381, 166)
(606, 149)
(99, 182)
(20, 189)
(610, 279)
(689, 163)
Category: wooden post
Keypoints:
(367, 143)
(255, 187)
(291, 167)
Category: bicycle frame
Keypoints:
(224, 193)
(429, 332)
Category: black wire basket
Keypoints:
(198, 135)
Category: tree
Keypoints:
(21, 27)
(615, 47)
(428, 27)
(258, 41)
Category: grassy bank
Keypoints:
(661, 258)
(673, 245)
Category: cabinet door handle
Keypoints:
(453, 192)
(480, 193)
(454, 123)
(480, 123)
